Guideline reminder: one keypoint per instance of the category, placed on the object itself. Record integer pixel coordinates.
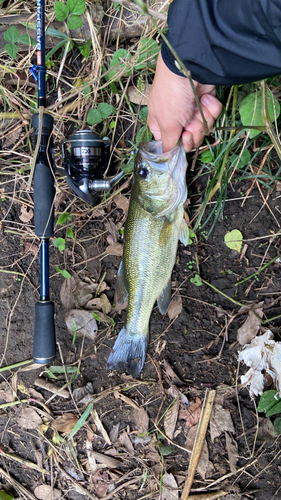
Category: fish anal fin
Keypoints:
(121, 291)
(164, 298)
(129, 353)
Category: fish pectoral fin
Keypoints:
(164, 298)
(121, 290)
(184, 233)
(129, 353)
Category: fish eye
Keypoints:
(143, 172)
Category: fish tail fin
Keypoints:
(129, 353)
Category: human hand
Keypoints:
(172, 110)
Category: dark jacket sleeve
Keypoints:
(225, 42)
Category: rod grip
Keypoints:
(44, 193)
(44, 344)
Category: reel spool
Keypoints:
(85, 161)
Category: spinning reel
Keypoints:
(85, 159)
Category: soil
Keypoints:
(198, 346)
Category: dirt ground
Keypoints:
(194, 351)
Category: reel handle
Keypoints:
(44, 342)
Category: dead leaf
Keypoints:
(11, 139)
(80, 392)
(112, 229)
(139, 97)
(231, 447)
(46, 492)
(174, 392)
(105, 304)
(100, 427)
(6, 392)
(175, 307)
(128, 401)
(171, 374)
(81, 323)
(26, 214)
(192, 414)
(141, 420)
(28, 418)
(125, 442)
(266, 430)
(65, 423)
(171, 418)
(169, 487)
(31, 248)
(205, 467)
(122, 202)
(106, 460)
(248, 331)
(220, 422)
(99, 486)
(115, 249)
(35, 394)
(94, 304)
(114, 432)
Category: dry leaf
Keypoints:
(46, 492)
(31, 248)
(105, 304)
(28, 418)
(220, 421)
(175, 307)
(114, 432)
(112, 229)
(232, 448)
(248, 331)
(11, 139)
(266, 430)
(6, 392)
(171, 418)
(106, 460)
(65, 423)
(122, 202)
(204, 467)
(49, 386)
(81, 323)
(141, 420)
(139, 97)
(115, 249)
(169, 487)
(35, 394)
(192, 414)
(125, 442)
(174, 392)
(128, 401)
(100, 427)
(171, 374)
(94, 304)
(26, 214)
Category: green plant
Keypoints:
(196, 280)
(270, 404)
(71, 11)
(96, 116)
(12, 36)
(64, 272)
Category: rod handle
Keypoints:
(44, 343)
(44, 194)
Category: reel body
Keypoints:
(86, 163)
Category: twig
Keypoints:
(199, 441)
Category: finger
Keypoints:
(213, 105)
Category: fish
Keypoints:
(153, 227)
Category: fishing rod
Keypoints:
(44, 343)
(85, 159)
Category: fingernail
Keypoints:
(205, 99)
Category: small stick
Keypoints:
(199, 441)
(48, 386)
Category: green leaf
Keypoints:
(206, 157)
(65, 273)
(69, 233)
(165, 450)
(74, 22)
(244, 159)
(26, 39)
(117, 64)
(196, 280)
(11, 49)
(105, 109)
(62, 218)
(94, 117)
(60, 244)
(234, 239)
(81, 421)
(143, 135)
(62, 369)
(57, 34)
(6, 496)
(54, 49)
(128, 167)
(251, 110)
(86, 49)
(11, 35)
(148, 53)
(276, 408)
(61, 11)
(76, 7)
(143, 114)
(267, 400)
(277, 426)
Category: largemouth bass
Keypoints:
(152, 230)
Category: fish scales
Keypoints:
(152, 231)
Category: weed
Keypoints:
(71, 12)
(12, 36)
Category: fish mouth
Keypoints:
(175, 162)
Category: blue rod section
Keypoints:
(44, 270)
(41, 72)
